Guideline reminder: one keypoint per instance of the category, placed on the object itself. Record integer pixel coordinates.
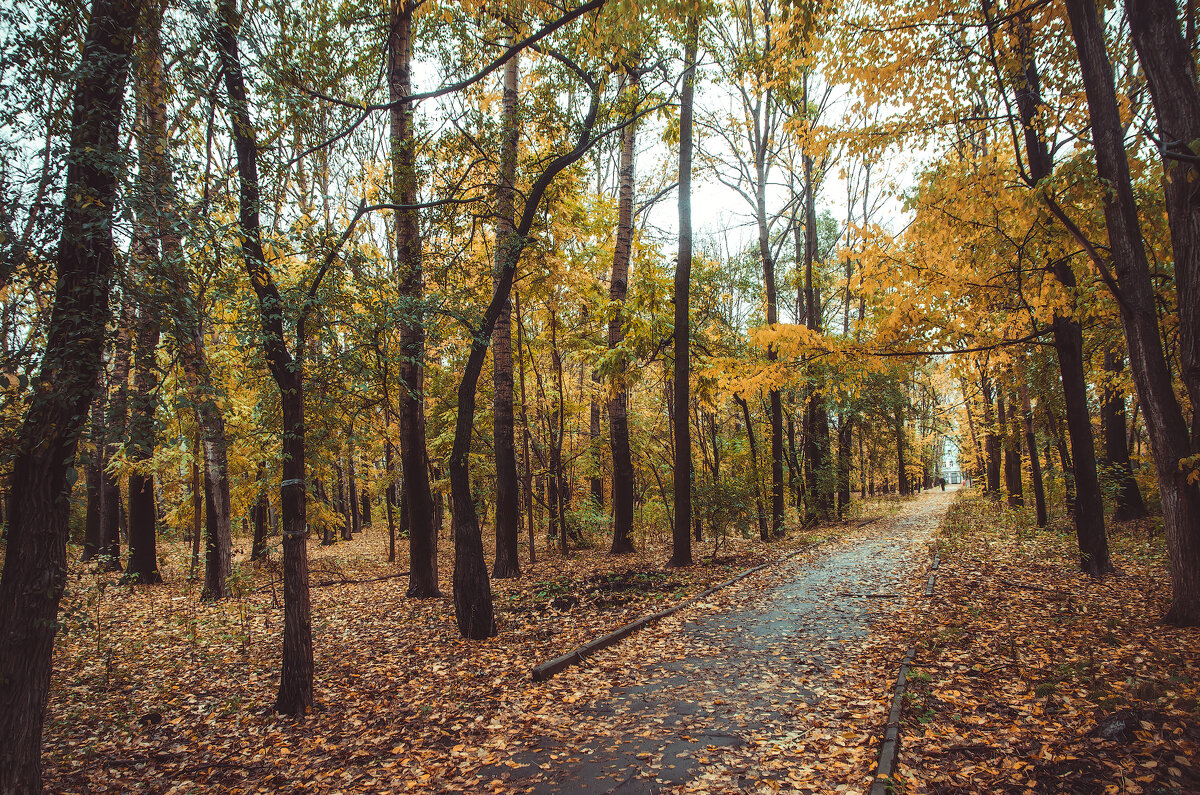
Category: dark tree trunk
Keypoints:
(472, 589)
(261, 514)
(1167, 60)
(1164, 420)
(143, 549)
(991, 440)
(1064, 457)
(618, 404)
(115, 422)
(92, 538)
(197, 506)
(422, 537)
(1129, 503)
(295, 694)
(845, 434)
(1083, 484)
(35, 565)
(681, 545)
(525, 441)
(160, 242)
(1007, 416)
(508, 513)
(352, 485)
(901, 464)
(1039, 491)
(764, 533)
(389, 500)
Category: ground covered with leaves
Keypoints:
(1032, 677)
(155, 691)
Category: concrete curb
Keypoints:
(889, 750)
(545, 670)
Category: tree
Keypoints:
(681, 545)
(1134, 289)
(35, 565)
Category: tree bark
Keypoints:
(1039, 491)
(422, 536)
(115, 426)
(295, 694)
(681, 545)
(991, 440)
(1129, 503)
(1166, 58)
(764, 533)
(1164, 420)
(618, 403)
(35, 565)
(508, 512)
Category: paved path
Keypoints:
(747, 662)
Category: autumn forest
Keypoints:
(419, 342)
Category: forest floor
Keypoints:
(1032, 677)
(155, 691)
(779, 682)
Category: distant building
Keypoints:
(949, 465)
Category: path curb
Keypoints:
(884, 782)
(548, 669)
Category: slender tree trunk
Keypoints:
(115, 422)
(901, 464)
(508, 513)
(618, 404)
(1039, 491)
(92, 537)
(1012, 451)
(422, 538)
(1164, 420)
(764, 533)
(352, 484)
(35, 565)
(388, 501)
(143, 549)
(295, 695)
(525, 431)
(1083, 488)
(845, 434)
(260, 511)
(1129, 503)
(681, 546)
(197, 506)
(991, 440)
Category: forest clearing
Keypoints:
(355, 359)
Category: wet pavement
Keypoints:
(746, 664)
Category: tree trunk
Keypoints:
(681, 545)
(157, 222)
(1083, 484)
(422, 537)
(35, 565)
(764, 533)
(508, 513)
(1039, 491)
(991, 440)
(260, 512)
(115, 422)
(525, 431)
(901, 465)
(1129, 503)
(618, 404)
(1164, 420)
(845, 434)
(92, 538)
(1166, 58)
(1012, 451)
(143, 550)
(295, 694)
